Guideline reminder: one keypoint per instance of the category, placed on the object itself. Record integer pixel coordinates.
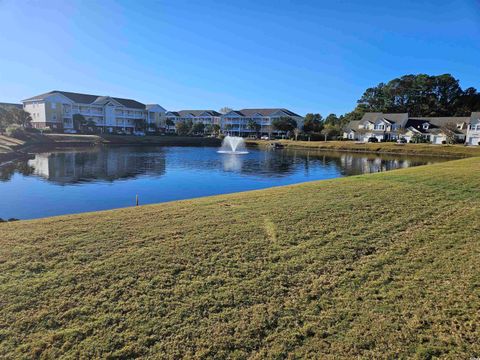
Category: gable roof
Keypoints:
(352, 126)
(90, 99)
(184, 113)
(266, 112)
(400, 118)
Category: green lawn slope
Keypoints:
(374, 266)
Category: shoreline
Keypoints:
(446, 151)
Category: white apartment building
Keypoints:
(237, 122)
(56, 110)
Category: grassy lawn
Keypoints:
(392, 148)
(374, 266)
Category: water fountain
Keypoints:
(234, 145)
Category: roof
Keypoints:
(266, 112)
(435, 124)
(400, 118)
(10, 105)
(184, 113)
(150, 106)
(90, 99)
(174, 113)
(352, 125)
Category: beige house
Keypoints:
(57, 110)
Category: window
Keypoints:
(54, 105)
(379, 127)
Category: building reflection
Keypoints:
(106, 164)
(282, 163)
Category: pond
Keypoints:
(88, 179)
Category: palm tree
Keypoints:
(253, 125)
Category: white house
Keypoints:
(473, 131)
(56, 110)
(386, 127)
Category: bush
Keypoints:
(15, 131)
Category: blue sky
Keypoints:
(309, 56)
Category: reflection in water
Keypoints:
(110, 177)
(108, 164)
(232, 162)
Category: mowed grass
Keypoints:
(374, 266)
(387, 147)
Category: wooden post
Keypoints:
(136, 200)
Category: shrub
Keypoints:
(15, 131)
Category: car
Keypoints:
(265, 137)
(69, 131)
(138, 133)
(402, 141)
(372, 139)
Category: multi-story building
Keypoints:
(473, 131)
(207, 117)
(238, 122)
(57, 110)
(386, 127)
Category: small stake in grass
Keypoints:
(136, 200)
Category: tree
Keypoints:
(79, 121)
(421, 95)
(6, 118)
(312, 123)
(330, 130)
(331, 119)
(253, 125)
(225, 110)
(169, 123)
(183, 128)
(284, 123)
(450, 131)
(216, 129)
(208, 129)
(20, 117)
(90, 125)
(140, 125)
(198, 128)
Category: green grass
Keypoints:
(373, 266)
(388, 147)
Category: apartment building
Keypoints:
(56, 110)
(387, 127)
(237, 122)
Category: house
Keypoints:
(56, 110)
(382, 126)
(473, 131)
(389, 127)
(238, 122)
(437, 130)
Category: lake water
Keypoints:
(72, 181)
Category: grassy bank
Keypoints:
(375, 266)
(389, 148)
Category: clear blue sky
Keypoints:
(309, 56)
